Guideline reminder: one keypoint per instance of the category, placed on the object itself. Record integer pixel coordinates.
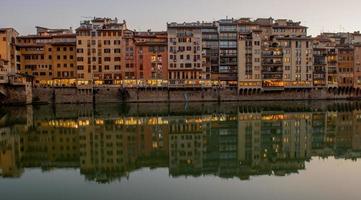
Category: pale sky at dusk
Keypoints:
(318, 15)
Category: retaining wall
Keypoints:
(114, 94)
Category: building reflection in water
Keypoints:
(237, 144)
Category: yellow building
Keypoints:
(49, 56)
(7, 53)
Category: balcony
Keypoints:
(319, 62)
(272, 70)
(270, 62)
(272, 75)
(272, 54)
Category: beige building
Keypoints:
(274, 55)
(104, 48)
(185, 54)
(7, 53)
(298, 61)
(249, 60)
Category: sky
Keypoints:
(318, 15)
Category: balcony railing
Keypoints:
(272, 63)
(271, 54)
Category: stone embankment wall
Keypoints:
(134, 95)
(16, 94)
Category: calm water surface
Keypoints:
(264, 150)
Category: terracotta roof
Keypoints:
(64, 43)
(288, 26)
(34, 37)
(151, 43)
(30, 45)
(68, 35)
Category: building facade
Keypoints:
(185, 54)
(7, 53)
(151, 58)
(101, 52)
(254, 55)
(274, 55)
(49, 56)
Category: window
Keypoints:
(106, 42)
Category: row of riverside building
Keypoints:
(261, 54)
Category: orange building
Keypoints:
(357, 65)
(345, 65)
(151, 57)
(7, 53)
(49, 56)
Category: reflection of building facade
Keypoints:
(47, 147)
(186, 148)
(9, 154)
(226, 145)
(110, 149)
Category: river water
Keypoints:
(254, 150)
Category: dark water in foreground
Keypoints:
(264, 150)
